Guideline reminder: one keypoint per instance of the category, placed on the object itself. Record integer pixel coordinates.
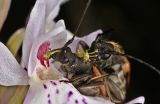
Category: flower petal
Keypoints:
(43, 11)
(69, 35)
(88, 39)
(55, 92)
(10, 71)
(35, 27)
(139, 100)
(52, 9)
(57, 38)
(91, 37)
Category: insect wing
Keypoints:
(115, 90)
(91, 89)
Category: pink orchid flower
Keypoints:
(42, 75)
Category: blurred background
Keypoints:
(137, 29)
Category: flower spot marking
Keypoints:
(70, 93)
(49, 95)
(76, 101)
(84, 101)
(64, 81)
(49, 101)
(57, 91)
(53, 83)
(45, 86)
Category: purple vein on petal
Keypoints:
(64, 81)
(49, 95)
(57, 91)
(45, 87)
(70, 93)
(84, 101)
(53, 83)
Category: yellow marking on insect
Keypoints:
(80, 52)
(92, 55)
(86, 56)
(92, 52)
(48, 54)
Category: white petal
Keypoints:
(139, 100)
(11, 72)
(49, 26)
(55, 92)
(35, 27)
(43, 11)
(57, 39)
(52, 9)
(69, 35)
(61, 25)
(91, 37)
(88, 39)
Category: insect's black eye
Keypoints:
(63, 56)
(64, 59)
(104, 53)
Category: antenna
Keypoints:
(145, 63)
(138, 60)
(80, 22)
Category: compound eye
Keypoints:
(103, 53)
(65, 58)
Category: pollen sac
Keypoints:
(44, 47)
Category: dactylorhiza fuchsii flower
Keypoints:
(42, 75)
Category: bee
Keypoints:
(108, 58)
(117, 67)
